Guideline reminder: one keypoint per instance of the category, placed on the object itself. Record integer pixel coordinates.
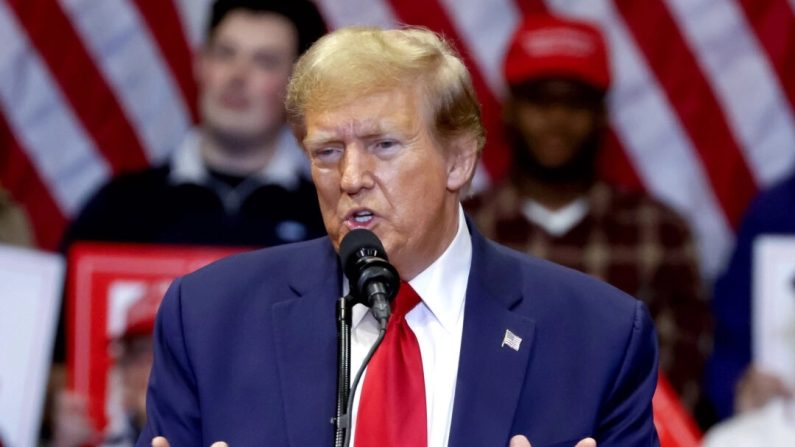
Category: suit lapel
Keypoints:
(492, 367)
(306, 346)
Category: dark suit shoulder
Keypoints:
(260, 272)
(556, 292)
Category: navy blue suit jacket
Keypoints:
(245, 352)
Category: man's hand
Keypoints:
(160, 441)
(72, 426)
(756, 388)
(521, 441)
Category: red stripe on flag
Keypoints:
(92, 100)
(431, 15)
(19, 176)
(166, 27)
(773, 22)
(693, 99)
(531, 7)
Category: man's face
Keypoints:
(242, 74)
(555, 118)
(376, 166)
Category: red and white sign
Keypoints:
(104, 281)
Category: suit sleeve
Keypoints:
(172, 403)
(627, 418)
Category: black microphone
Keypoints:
(373, 280)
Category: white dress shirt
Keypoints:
(437, 322)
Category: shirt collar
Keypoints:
(285, 168)
(556, 222)
(441, 286)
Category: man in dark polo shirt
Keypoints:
(239, 178)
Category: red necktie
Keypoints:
(392, 407)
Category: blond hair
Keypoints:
(358, 61)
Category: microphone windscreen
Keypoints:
(357, 243)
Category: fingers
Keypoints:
(71, 424)
(160, 441)
(756, 388)
(519, 441)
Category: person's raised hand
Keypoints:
(160, 441)
(521, 441)
(756, 388)
(71, 424)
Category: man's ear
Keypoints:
(462, 156)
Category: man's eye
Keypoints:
(385, 145)
(269, 61)
(221, 52)
(326, 153)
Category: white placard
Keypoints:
(773, 307)
(31, 284)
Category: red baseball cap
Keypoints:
(140, 316)
(549, 46)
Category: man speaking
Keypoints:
(485, 345)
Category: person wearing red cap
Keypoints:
(553, 204)
(131, 349)
(134, 360)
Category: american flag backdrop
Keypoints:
(702, 109)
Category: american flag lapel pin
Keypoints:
(511, 340)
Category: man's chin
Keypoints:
(236, 135)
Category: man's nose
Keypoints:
(356, 170)
(239, 69)
(557, 110)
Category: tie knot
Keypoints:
(406, 299)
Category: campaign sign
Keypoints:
(31, 284)
(105, 283)
(675, 426)
(773, 307)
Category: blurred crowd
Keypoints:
(240, 179)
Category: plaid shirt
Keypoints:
(637, 245)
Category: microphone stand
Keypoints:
(341, 420)
(345, 391)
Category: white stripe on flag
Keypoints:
(745, 84)
(43, 122)
(660, 150)
(122, 48)
(194, 15)
(357, 12)
(485, 28)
